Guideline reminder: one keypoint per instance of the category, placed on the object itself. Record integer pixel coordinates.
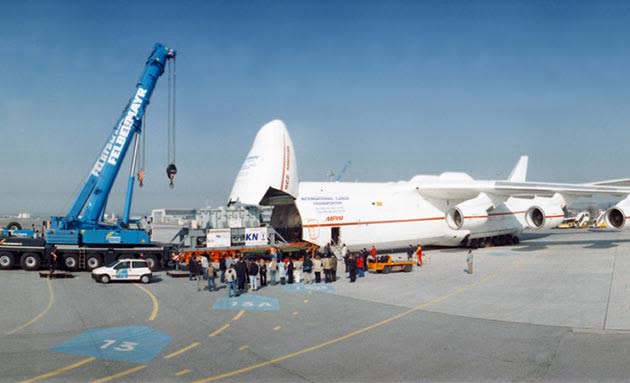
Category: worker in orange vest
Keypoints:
(419, 255)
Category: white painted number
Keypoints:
(123, 346)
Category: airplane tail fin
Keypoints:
(519, 173)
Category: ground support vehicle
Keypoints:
(386, 264)
(126, 269)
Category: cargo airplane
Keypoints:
(450, 209)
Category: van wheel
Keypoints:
(7, 260)
(70, 261)
(145, 279)
(105, 279)
(93, 261)
(30, 261)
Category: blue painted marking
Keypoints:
(133, 344)
(122, 273)
(327, 288)
(501, 254)
(247, 303)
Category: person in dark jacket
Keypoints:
(263, 272)
(352, 264)
(222, 268)
(253, 275)
(290, 268)
(241, 273)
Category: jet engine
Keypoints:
(469, 214)
(544, 216)
(616, 216)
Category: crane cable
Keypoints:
(171, 169)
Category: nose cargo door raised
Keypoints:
(269, 177)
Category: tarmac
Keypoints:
(555, 308)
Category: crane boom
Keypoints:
(89, 206)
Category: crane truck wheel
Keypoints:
(14, 226)
(153, 263)
(93, 261)
(70, 261)
(387, 270)
(7, 260)
(515, 240)
(30, 261)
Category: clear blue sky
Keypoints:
(399, 88)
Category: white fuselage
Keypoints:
(394, 215)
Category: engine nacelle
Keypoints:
(615, 217)
(469, 214)
(544, 217)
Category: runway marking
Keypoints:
(182, 372)
(243, 347)
(277, 328)
(219, 330)
(156, 305)
(51, 300)
(239, 315)
(351, 334)
(60, 370)
(306, 301)
(295, 312)
(121, 374)
(183, 350)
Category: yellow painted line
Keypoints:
(244, 347)
(182, 372)
(277, 328)
(219, 330)
(349, 335)
(60, 370)
(51, 300)
(183, 350)
(156, 305)
(295, 312)
(121, 374)
(239, 315)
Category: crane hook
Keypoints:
(171, 171)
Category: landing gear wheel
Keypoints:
(30, 261)
(145, 279)
(70, 261)
(105, 279)
(7, 260)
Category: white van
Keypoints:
(123, 270)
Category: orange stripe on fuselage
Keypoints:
(335, 224)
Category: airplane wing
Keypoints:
(470, 189)
(623, 182)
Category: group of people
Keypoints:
(241, 274)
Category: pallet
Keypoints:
(177, 274)
(56, 274)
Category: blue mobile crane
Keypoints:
(82, 239)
